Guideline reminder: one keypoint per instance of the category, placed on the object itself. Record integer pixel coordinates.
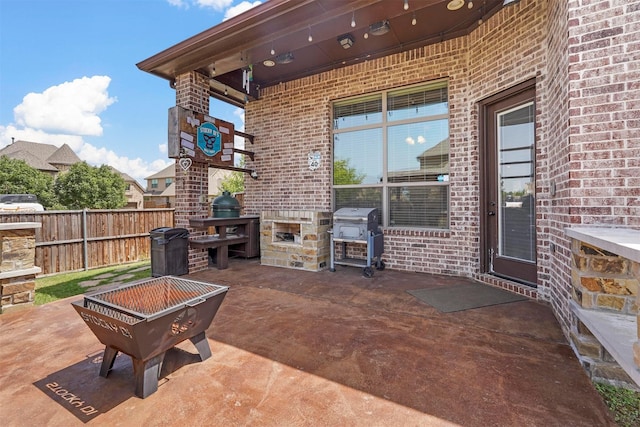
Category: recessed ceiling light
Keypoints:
(269, 63)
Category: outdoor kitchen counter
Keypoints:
(220, 239)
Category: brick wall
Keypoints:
(293, 118)
(553, 203)
(192, 93)
(604, 105)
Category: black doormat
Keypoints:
(461, 297)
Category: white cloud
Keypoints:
(36, 135)
(136, 168)
(214, 4)
(239, 112)
(69, 108)
(62, 114)
(421, 140)
(409, 140)
(239, 8)
(178, 3)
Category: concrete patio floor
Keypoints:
(295, 348)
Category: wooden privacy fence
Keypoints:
(77, 240)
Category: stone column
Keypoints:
(17, 264)
(192, 92)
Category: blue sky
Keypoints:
(68, 75)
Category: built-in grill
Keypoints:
(357, 225)
(145, 319)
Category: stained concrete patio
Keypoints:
(294, 348)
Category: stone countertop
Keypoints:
(19, 225)
(621, 241)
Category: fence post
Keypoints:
(85, 243)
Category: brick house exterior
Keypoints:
(582, 58)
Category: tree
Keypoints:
(84, 186)
(343, 174)
(17, 177)
(233, 183)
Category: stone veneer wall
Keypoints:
(17, 269)
(604, 281)
(311, 253)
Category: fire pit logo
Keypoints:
(183, 322)
(209, 139)
(88, 318)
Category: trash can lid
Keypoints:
(169, 231)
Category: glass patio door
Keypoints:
(510, 188)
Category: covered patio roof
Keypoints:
(283, 40)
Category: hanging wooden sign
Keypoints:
(199, 137)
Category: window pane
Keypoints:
(357, 112)
(418, 152)
(370, 197)
(424, 206)
(411, 103)
(357, 157)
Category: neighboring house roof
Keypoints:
(31, 159)
(128, 179)
(168, 172)
(43, 157)
(439, 149)
(63, 156)
(170, 191)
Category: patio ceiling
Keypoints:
(308, 32)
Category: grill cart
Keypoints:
(357, 225)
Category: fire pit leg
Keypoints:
(202, 345)
(108, 358)
(146, 374)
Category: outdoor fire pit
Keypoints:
(146, 319)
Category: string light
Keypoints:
(470, 5)
(413, 20)
(310, 36)
(353, 20)
(406, 4)
(273, 51)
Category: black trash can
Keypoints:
(169, 251)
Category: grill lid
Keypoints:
(356, 214)
(152, 298)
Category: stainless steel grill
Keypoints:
(145, 319)
(357, 225)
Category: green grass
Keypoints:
(624, 404)
(59, 286)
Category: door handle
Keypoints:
(491, 213)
